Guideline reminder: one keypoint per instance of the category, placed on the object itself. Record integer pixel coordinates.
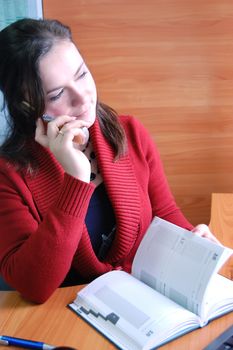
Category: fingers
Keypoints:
(57, 124)
(68, 124)
(78, 137)
(81, 135)
(203, 230)
(58, 136)
(40, 133)
(64, 130)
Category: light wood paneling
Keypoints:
(169, 63)
(221, 223)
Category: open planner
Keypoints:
(173, 289)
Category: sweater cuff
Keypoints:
(75, 196)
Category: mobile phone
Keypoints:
(47, 118)
(79, 139)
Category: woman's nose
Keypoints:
(77, 97)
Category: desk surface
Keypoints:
(55, 324)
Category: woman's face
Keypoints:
(68, 84)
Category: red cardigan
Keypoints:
(42, 216)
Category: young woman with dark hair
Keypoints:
(69, 210)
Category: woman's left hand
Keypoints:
(203, 230)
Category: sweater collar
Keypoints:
(122, 188)
(120, 183)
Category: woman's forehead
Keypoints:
(59, 64)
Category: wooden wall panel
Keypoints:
(169, 63)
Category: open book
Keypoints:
(174, 288)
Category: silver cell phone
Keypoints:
(47, 118)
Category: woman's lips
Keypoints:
(80, 115)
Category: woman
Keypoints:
(69, 211)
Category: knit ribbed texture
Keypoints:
(58, 188)
(43, 216)
(122, 188)
(123, 191)
(45, 184)
(72, 196)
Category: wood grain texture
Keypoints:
(221, 223)
(169, 63)
(55, 324)
(51, 322)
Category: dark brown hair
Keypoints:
(22, 44)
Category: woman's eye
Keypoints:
(82, 75)
(56, 97)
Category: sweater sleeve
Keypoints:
(35, 254)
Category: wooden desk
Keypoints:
(55, 324)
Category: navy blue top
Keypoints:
(100, 218)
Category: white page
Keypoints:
(218, 298)
(143, 313)
(178, 263)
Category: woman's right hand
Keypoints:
(58, 136)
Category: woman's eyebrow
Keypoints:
(75, 75)
(79, 68)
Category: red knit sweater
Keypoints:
(42, 216)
